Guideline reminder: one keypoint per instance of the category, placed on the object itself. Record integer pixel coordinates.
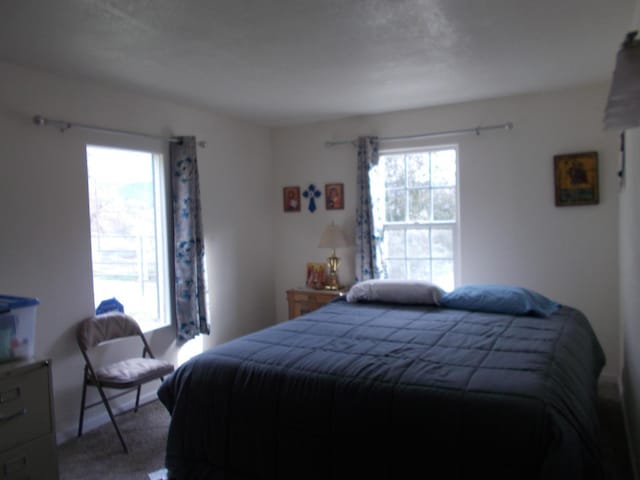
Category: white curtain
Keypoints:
(367, 233)
(188, 244)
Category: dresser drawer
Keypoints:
(24, 407)
(35, 460)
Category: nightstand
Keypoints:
(305, 300)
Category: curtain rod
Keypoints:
(476, 130)
(64, 125)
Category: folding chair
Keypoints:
(128, 374)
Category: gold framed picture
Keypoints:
(334, 196)
(576, 179)
(291, 199)
(315, 275)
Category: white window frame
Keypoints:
(454, 226)
(161, 222)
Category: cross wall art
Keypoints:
(292, 197)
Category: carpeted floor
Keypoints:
(98, 454)
(613, 440)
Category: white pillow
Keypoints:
(395, 291)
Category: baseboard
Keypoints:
(609, 386)
(100, 416)
(635, 467)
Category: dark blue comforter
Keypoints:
(380, 391)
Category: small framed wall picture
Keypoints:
(576, 179)
(291, 199)
(334, 196)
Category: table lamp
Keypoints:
(332, 237)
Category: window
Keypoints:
(128, 232)
(415, 202)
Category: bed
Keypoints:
(379, 390)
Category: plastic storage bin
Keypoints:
(17, 327)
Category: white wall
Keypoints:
(45, 240)
(630, 286)
(511, 231)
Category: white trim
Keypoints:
(161, 174)
(418, 148)
(609, 386)
(635, 464)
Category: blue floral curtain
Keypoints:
(367, 237)
(188, 243)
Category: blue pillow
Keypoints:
(499, 299)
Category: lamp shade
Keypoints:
(623, 104)
(332, 237)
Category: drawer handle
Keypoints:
(10, 395)
(19, 413)
(15, 466)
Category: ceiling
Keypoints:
(285, 62)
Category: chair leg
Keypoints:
(84, 394)
(112, 417)
(137, 399)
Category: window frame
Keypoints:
(453, 225)
(162, 229)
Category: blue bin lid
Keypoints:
(9, 302)
(109, 305)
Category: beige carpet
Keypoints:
(99, 455)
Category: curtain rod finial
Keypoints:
(39, 120)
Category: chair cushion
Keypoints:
(133, 371)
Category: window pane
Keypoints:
(444, 204)
(418, 170)
(443, 168)
(442, 243)
(394, 170)
(396, 269)
(415, 198)
(443, 274)
(418, 243)
(396, 206)
(124, 232)
(419, 270)
(419, 207)
(394, 239)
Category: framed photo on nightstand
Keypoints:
(315, 275)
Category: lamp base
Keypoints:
(332, 283)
